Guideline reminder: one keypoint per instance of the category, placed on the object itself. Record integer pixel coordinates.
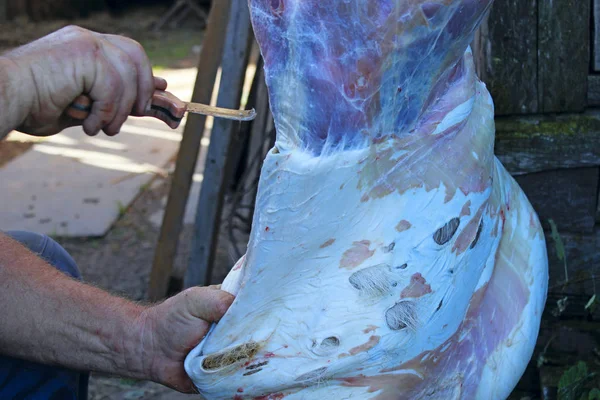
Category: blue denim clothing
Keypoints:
(24, 380)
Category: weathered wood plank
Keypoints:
(208, 65)
(561, 344)
(596, 31)
(564, 55)
(16, 8)
(210, 205)
(550, 377)
(539, 143)
(569, 341)
(598, 208)
(505, 49)
(593, 96)
(568, 196)
(583, 263)
(258, 135)
(4, 10)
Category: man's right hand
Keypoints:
(112, 70)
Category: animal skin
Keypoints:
(392, 256)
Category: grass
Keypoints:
(122, 209)
(168, 51)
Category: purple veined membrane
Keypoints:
(391, 256)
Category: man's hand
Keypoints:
(170, 330)
(49, 318)
(113, 71)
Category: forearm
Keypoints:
(50, 318)
(15, 96)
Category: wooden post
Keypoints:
(505, 51)
(596, 42)
(258, 133)
(3, 10)
(210, 60)
(563, 55)
(208, 213)
(568, 196)
(598, 204)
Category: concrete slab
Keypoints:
(74, 185)
(190, 210)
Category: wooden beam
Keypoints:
(210, 205)
(210, 60)
(593, 96)
(239, 153)
(550, 377)
(505, 50)
(568, 196)
(598, 206)
(4, 10)
(596, 39)
(564, 55)
(542, 142)
(259, 131)
(583, 262)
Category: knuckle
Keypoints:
(138, 48)
(192, 292)
(76, 31)
(73, 29)
(126, 60)
(222, 308)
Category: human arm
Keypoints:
(39, 80)
(53, 319)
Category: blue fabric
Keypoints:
(24, 380)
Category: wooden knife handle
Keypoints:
(165, 107)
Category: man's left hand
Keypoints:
(170, 330)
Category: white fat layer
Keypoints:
(508, 362)
(455, 116)
(311, 233)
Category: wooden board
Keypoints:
(568, 196)
(209, 62)
(583, 263)
(598, 208)
(256, 146)
(505, 50)
(564, 55)
(569, 340)
(540, 143)
(217, 168)
(596, 38)
(4, 15)
(593, 96)
(551, 375)
(16, 8)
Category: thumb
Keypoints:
(208, 304)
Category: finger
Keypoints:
(128, 72)
(207, 304)
(105, 91)
(146, 82)
(185, 386)
(160, 83)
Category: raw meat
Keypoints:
(392, 256)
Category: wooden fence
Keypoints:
(541, 61)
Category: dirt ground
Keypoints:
(12, 149)
(120, 262)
